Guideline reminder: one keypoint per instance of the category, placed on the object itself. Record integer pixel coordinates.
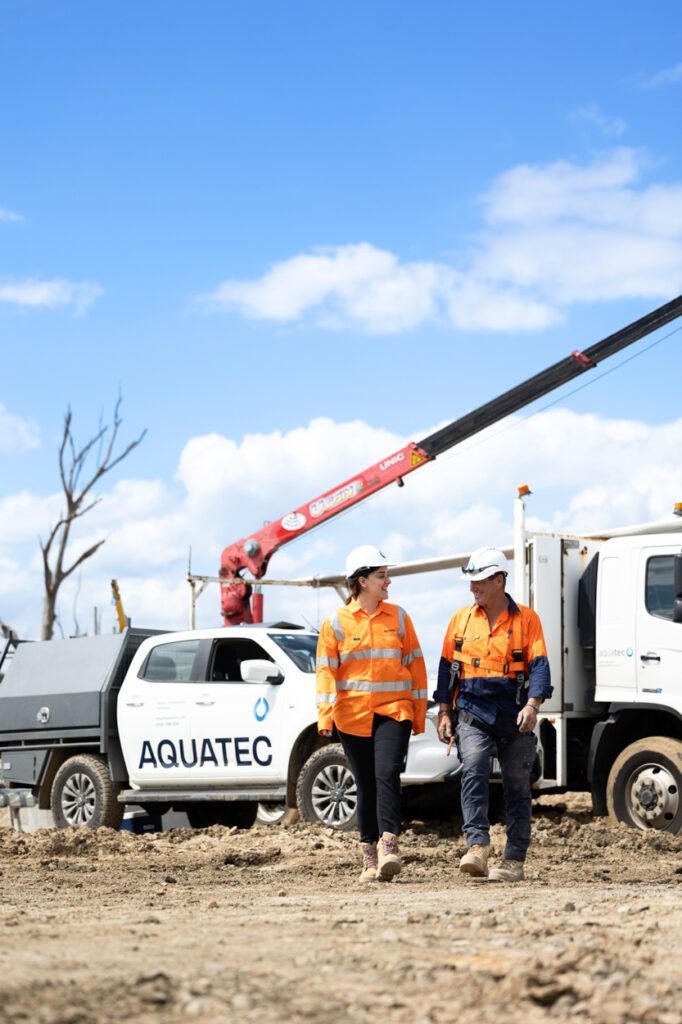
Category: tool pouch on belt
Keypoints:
(453, 687)
(521, 680)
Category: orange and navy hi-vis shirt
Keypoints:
(367, 665)
(491, 686)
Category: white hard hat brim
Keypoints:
(371, 568)
(484, 574)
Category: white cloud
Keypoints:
(526, 266)
(668, 76)
(603, 194)
(355, 283)
(10, 215)
(50, 294)
(611, 127)
(17, 434)
(25, 516)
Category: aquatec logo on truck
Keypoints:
(220, 752)
(331, 501)
(260, 709)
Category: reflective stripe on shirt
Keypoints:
(384, 687)
(373, 653)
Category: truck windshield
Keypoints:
(301, 648)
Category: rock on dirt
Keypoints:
(271, 925)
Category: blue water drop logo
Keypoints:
(261, 708)
(629, 651)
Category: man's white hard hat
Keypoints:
(485, 562)
(365, 557)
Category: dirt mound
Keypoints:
(271, 925)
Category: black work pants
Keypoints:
(376, 762)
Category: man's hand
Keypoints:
(445, 728)
(526, 718)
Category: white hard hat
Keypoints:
(364, 557)
(485, 562)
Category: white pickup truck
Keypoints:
(212, 722)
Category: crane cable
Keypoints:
(560, 398)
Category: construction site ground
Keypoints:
(271, 925)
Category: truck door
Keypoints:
(154, 716)
(237, 725)
(659, 639)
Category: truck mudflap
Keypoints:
(193, 796)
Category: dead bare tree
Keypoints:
(8, 633)
(79, 501)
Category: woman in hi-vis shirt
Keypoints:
(371, 687)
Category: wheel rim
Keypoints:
(79, 799)
(653, 797)
(271, 812)
(334, 795)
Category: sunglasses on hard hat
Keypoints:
(469, 570)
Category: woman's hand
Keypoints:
(325, 732)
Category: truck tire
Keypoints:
(645, 785)
(271, 812)
(326, 791)
(83, 793)
(231, 814)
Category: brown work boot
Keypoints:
(475, 861)
(370, 862)
(508, 871)
(389, 861)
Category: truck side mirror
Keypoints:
(677, 583)
(259, 670)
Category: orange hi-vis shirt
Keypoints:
(487, 680)
(367, 665)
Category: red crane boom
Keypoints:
(254, 552)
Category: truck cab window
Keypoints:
(171, 662)
(660, 589)
(227, 656)
(301, 648)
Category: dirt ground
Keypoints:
(272, 925)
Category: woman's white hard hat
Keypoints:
(485, 562)
(365, 557)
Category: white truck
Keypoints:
(611, 608)
(212, 722)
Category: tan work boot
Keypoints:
(475, 861)
(370, 862)
(389, 861)
(508, 871)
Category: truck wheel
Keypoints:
(83, 793)
(645, 783)
(231, 814)
(326, 791)
(271, 812)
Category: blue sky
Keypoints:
(294, 236)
